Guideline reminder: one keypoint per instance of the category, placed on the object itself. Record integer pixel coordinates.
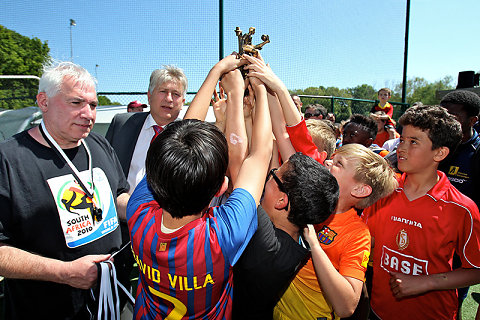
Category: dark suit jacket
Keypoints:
(123, 134)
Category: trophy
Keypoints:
(245, 42)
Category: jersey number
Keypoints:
(179, 309)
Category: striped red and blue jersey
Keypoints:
(187, 274)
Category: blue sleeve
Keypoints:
(142, 194)
(237, 222)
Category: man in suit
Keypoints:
(130, 135)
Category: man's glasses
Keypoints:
(309, 115)
(279, 182)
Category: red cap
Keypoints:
(136, 104)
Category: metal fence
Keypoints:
(344, 107)
(124, 98)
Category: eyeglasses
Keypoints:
(279, 182)
(309, 115)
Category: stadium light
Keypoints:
(72, 24)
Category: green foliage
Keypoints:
(20, 55)
(364, 92)
(418, 89)
(104, 101)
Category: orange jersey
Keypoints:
(346, 240)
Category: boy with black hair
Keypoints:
(362, 130)
(300, 192)
(418, 228)
(184, 249)
(462, 167)
(359, 129)
(315, 111)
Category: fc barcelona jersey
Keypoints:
(187, 274)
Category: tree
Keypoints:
(418, 89)
(104, 101)
(364, 92)
(20, 55)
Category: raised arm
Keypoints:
(199, 107)
(254, 169)
(235, 132)
(219, 104)
(293, 119)
(257, 68)
(278, 124)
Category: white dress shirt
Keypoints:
(137, 165)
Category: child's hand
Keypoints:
(230, 63)
(403, 285)
(219, 104)
(310, 235)
(233, 82)
(248, 103)
(257, 69)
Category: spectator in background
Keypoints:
(331, 117)
(136, 106)
(315, 111)
(462, 167)
(362, 130)
(297, 101)
(130, 134)
(384, 95)
(383, 134)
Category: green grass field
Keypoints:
(469, 308)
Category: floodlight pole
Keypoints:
(220, 30)
(72, 23)
(405, 55)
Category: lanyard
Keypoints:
(97, 212)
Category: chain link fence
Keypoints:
(344, 107)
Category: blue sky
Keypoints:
(340, 43)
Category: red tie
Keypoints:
(157, 130)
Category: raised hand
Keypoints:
(219, 104)
(233, 82)
(257, 69)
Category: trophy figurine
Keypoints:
(245, 42)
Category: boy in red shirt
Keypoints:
(417, 229)
(384, 95)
